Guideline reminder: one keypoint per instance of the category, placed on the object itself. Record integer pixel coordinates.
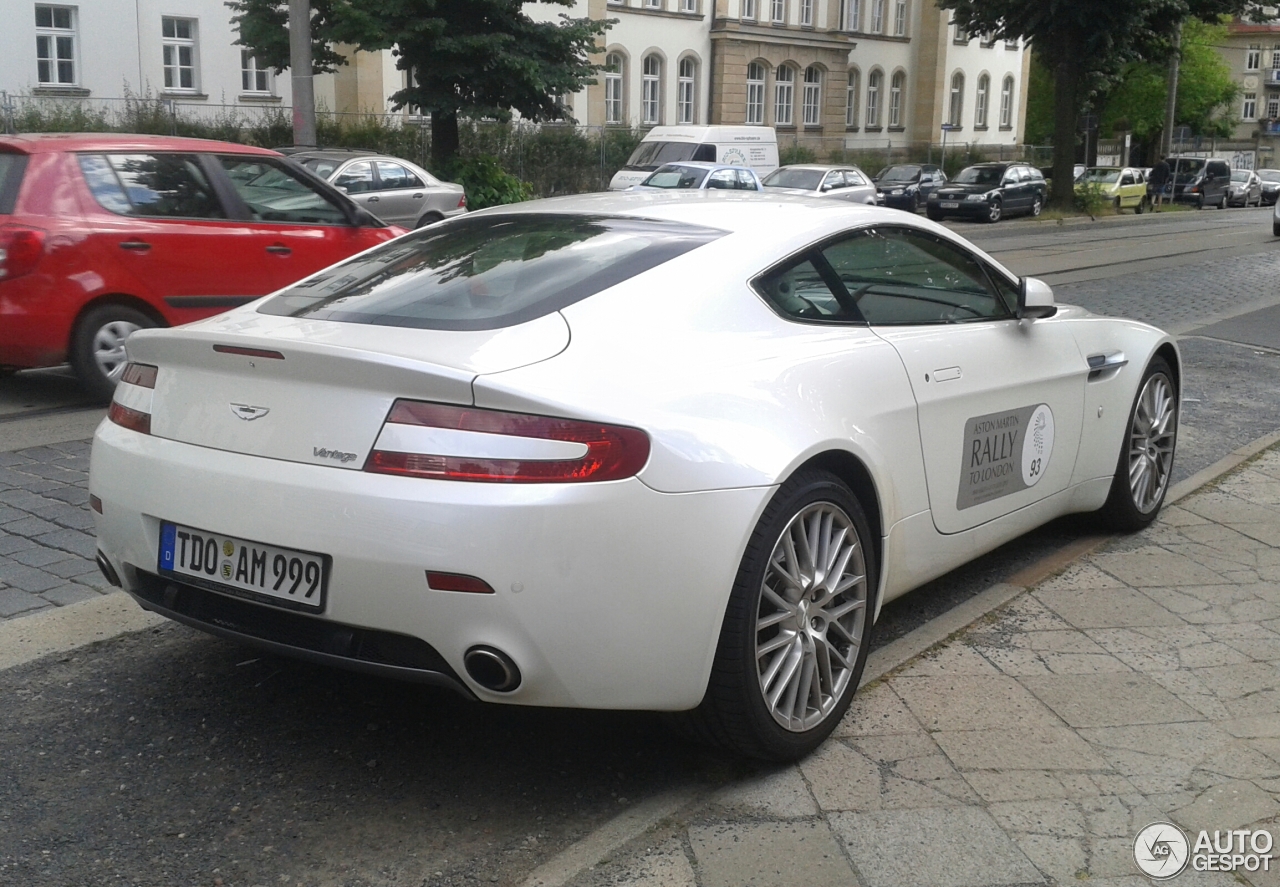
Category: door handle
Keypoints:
(279, 249)
(140, 246)
(374, 199)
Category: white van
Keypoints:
(753, 146)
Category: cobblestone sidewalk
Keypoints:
(46, 541)
(1142, 684)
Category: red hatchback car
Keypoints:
(103, 234)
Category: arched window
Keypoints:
(614, 68)
(651, 90)
(1006, 102)
(784, 96)
(812, 96)
(957, 99)
(851, 99)
(900, 18)
(875, 82)
(980, 101)
(896, 88)
(755, 94)
(686, 90)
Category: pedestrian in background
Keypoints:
(1158, 181)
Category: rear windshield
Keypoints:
(676, 177)
(488, 272)
(651, 155)
(1269, 175)
(11, 169)
(1100, 176)
(805, 179)
(321, 166)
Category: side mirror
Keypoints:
(343, 188)
(1035, 299)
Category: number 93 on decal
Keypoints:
(280, 576)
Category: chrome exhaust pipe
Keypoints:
(108, 571)
(492, 669)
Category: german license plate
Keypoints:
(950, 204)
(280, 576)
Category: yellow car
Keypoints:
(1125, 187)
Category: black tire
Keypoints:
(1275, 228)
(1118, 206)
(994, 211)
(97, 346)
(917, 202)
(1127, 509)
(734, 713)
(1200, 201)
(1036, 206)
(1222, 201)
(429, 219)
(1141, 207)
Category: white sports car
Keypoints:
(633, 450)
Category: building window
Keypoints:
(1249, 111)
(812, 96)
(851, 99)
(1011, 42)
(1273, 107)
(779, 11)
(957, 99)
(962, 36)
(56, 45)
(877, 16)
(980, 102)
(784, 95)
(755, 94)
(851, 11)
(688, 5)
(1275, 57)
(988, 40)
(1006, 103)
(806, 12)
(253, 76)
(875, 80)
(652, 4)
(686, 90)
(1253, 58)
(900, 18)
(896, 88)
(179, 53)
(650, 90)
(613, 71)
(749, 9)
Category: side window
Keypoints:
(356, 178)
(746, 181)
(799, 292)
(901, 276)
(1007, 289)
(1127, 179)
(723, 178)
(833, 181)
(394, 176)
(152, 185)
(853, 177)
(704, 152)
(273, 193)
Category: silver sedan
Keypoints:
(841, 182)
(394, 190)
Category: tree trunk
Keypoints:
(1066, 112)
(444, 141)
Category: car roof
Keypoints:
(44, 143)
(704, 164)
(818, 167)
(335, 153)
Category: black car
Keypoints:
(990, 191)
(1201, 182)
(908, 185)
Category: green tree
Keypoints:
(480, 58)
(1039, 127)
(1206, 90)
(1085, 43)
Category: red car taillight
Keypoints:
(462, 201)
(131, 403)
(466, 443)
(20, 250)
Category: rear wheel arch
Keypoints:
(854, 472)
(125, 299)
(1170, 354)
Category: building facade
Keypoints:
(1253, 53)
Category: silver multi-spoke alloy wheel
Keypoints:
(108, 347)
(1151, 441)
(810, 621)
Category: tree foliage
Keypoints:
(476, 58)
(1087, 43)
(1206, 90)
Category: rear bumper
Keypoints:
(607, 595)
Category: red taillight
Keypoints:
(457, 582)
(20, 250)
(131, 404)
(462, 201)
(468, 451)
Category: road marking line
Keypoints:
(27, 638)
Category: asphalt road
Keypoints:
(174, 758)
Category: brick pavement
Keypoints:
(46, 530)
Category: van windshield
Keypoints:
(1185, 168)
(651, 155)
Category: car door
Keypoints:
(722, 179)
(304, 226)
(166, 227)
(358, 182)
(403, 195)
(1013, 191)
(999, 400)
(1130, 191)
